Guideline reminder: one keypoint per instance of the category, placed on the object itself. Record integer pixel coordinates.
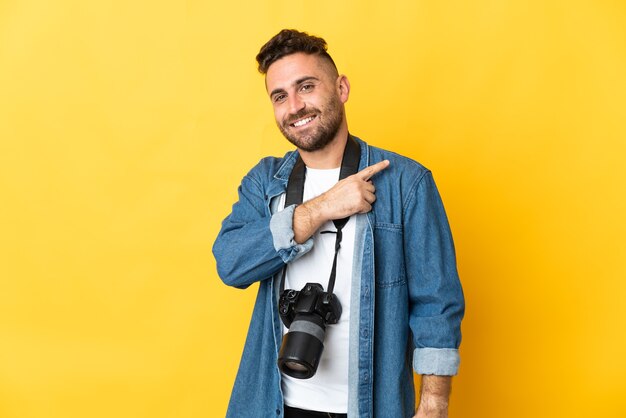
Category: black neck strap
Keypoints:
(295, 194)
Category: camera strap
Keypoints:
(295, 195)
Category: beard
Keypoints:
(315, 138)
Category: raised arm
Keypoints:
(253, 245)
(354, 194)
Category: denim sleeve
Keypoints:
(436, 302)
(252, 245)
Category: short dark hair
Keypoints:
(290, 41)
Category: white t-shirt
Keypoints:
(327, 390)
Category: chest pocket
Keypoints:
(389, 255)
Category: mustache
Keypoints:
(299, 115)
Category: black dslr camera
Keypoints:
(306, 313)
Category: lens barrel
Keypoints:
(302, 346)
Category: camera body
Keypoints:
(306, 313)
(311, 300)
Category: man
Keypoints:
(396, 280)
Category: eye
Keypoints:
(306, 88)
(279, 98)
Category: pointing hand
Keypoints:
(354, 194)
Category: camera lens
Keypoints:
(302, 346)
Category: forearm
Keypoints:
(434, 396)
(307, 218)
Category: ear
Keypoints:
(343, 88)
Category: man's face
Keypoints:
(308, 96)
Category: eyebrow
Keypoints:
(295, 83)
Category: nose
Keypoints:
(295, 104)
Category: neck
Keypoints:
(328, 157)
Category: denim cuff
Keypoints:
(281, 226)
(437, 361)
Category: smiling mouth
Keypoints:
(302, 122)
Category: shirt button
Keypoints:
(278, 412)
(365, 333)
(365, 377)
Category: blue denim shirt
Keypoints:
(406, 302)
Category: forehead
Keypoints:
(285, 71)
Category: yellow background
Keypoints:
(125, 128)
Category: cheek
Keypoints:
(278, 115)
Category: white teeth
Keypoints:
(303, 122)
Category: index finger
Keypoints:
(368, 172)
